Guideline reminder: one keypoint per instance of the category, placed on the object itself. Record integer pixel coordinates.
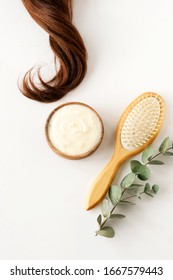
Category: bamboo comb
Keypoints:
(138, 126)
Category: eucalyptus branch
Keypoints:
(132, 196)
(111, 212)
(158, 154)
(130, 184)
(104, 222)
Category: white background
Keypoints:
(42, 196)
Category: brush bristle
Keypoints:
(141, 123)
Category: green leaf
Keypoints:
(106, 232)
(168, 154)
(149, 194)
(128, 180)
(135, 166)
(147, 187)
(144, 173)
(115, 193)
(156, 162)
(165, 145)
(99, 220)
(135, 188)
(135, 185)
(133, 191)
(155, 188)
(117, 216)
(125, 202)
(105, 208)
(147, 154)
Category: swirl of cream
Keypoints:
(75, 129)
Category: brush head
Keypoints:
(141, 121)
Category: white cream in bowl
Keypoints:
(74, 130)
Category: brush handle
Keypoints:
(102, 183)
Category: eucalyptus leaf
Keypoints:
(147, 187)
(144, 173)
(156, 162)
(135, 185)
(133, 191)
(147, 154)
(106, 232)
(135, 166)
(99, 219)
(128, 180)
(115, 193)
(155, 188)
(105, 208)
(149, 194)
(117, 216)
(125, 202)
(165, 145)
(168, 154)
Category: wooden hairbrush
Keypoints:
(138, 126)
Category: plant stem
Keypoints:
(101, 226)
(158, 155)
(132, 196)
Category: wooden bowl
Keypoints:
(59, 152)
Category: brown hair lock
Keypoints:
(55, 17)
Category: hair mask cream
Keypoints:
(74, 130)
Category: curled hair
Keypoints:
(55, 17)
